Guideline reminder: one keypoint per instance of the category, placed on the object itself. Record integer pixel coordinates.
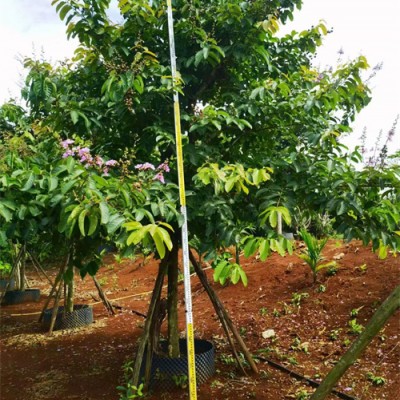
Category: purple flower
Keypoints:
(65, 143)
(99, 161)
(105, 171)
(83, 151)
(68, 153)
(164, 167)
(159, 177)
(145, 166)
(111, 163)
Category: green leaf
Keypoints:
(264, 249)
(235, 276)
(251, 247)
(93, 221)
(243, 276)
(29, 182)
(74, 116)
(158, 240)
(81, 222)
(53, 183)
(5, 213)
(104, 212)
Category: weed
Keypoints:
(264, 374)
(180, 380)
(346, 342)
(354, 312)
(227, 359)
(376, 380)
(321, 289)
(313, 254)
(103, 281)
(298, 297)
(263, 311)
(355, 328)
(216, 384)
(129, 391)
(302, 394)
(298, 346)
(293, 361)
(334, 334)
(276, 313)
(242, 331)
(332, 270)
(362, 268)
(287, 310)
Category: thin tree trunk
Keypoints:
(220, 309)
(23, 266)
(150, 315)
(173, 329)
(237, 252)
(279, 224)
(70, 296)
(375, 324)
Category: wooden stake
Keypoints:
(109, 307)
(220, 310)
(143, 340)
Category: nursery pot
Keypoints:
(20, 296)
(170, 373)
(81, 315)
(4, 282)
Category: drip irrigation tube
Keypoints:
(312, 383)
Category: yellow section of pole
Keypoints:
(185, 244)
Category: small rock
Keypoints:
(338, 256)
(269, 333)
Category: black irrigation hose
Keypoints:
(312, 383)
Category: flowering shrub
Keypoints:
(83, 155)
(148, 167)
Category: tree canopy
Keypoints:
(261, 125)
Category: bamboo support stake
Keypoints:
(109, 307)
(143, 340)
(37, 264)
(220, 309)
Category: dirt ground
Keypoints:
(311, 322)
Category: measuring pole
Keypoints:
(182, 196)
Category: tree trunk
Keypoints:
(237, 252)
(378, 320)
(69, 305)
(173, 329)
(23, 266)
(279, 224)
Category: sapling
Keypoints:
(313, 254)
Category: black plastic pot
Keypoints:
(20, 296)
(81, 316)
(4, 282)
(170, 373)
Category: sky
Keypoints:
(360, 27)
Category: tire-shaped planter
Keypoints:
(20, 296)
(81, 316)
(170, 373)
(4, 282)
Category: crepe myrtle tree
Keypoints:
(261, 124)
(58, 188)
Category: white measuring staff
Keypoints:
(182, 196)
